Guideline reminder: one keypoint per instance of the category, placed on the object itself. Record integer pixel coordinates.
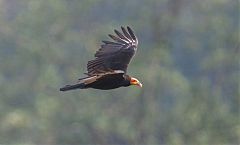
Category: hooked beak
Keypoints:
(139, 84)
(134, 81)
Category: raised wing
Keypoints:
(114, 55)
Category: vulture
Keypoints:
(108, 69)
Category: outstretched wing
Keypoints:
(114, 55)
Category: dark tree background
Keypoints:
(188, 61)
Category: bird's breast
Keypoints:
(108, 82)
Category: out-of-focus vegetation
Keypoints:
(187, 60)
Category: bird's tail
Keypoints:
(73, 87)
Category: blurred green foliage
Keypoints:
(188, 62)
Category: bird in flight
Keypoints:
(108, 69)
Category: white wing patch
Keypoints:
(92, 79)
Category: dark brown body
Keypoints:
(110, 82)
(104, 82)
